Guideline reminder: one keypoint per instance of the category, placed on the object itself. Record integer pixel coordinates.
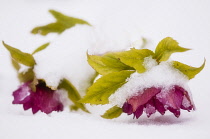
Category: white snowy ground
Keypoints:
(116, 25)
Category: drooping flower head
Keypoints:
(160, 88)
(34, 93)
(141, 81)
(154, 99)
(44, 98)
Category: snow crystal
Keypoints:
(162, 75)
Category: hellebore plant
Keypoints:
(35, 93)
(152, 100)
(44, 99)
(140, 80)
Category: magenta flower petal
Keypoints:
(35, 109)
(27, 105)
(44, 99)
(21, 94)
(144, 96)
(186, 104)
(176, 112)
(150, 108)
(172, 98)
(138, 112)
(127, 108)
(154, 99)
(159, 106)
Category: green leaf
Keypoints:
(15, 64)
(62, 23)
(49, 28)
(189, 71)
(144, 40)
(101, 90)
(107, 63)
(113, 112)
(166, 47)
(20, 57)
(73, 94)
(74, 108)
(40, 48)
(135, 58)
(92, 79)
(34, 82)
(26, 76)
(67, 20)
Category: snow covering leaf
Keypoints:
(20, 57)
(113, 112)
(189, 71)
(107, 63)
(166, 47)
(40, 48)
(26, 76)
(62, 23)
(135, 58)
(73, 94)
(101, 90)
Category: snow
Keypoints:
(149, 63)
(23, 68)
(159, 76)
(186, 21)
(70, 48)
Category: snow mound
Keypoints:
(162, 75)
(66, 58)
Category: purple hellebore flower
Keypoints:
(152, 99)
(44, 99)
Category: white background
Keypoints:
(115, 23)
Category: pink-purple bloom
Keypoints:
(44, 99)
(155, 99)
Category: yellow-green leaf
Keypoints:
(15, 64)
(101, 90)
(40, 48)
(73, 94)
(144, 43)
(189, 71)
(67, 20)
(135, 58)
(92, 79)
(62, 23)
(74, 108)
(26, 76)
(107, 63)
(113, 112)
(166, 47)
(20, 57)
(34, 82)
